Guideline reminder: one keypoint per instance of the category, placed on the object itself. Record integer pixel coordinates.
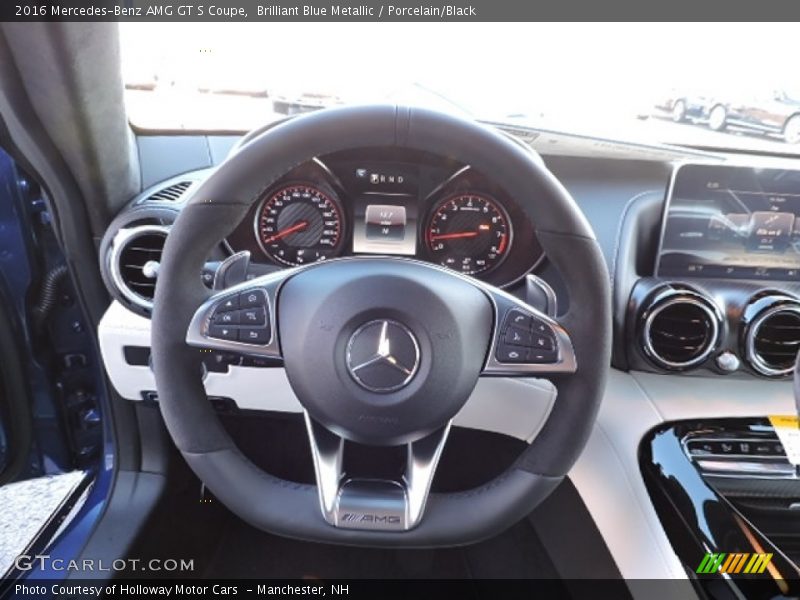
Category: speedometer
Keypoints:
(470, 233)
(300, 224)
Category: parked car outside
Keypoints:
(775, 113)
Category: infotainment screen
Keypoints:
(732, 222)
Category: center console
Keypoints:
(707, 286)
(725, 493)
(724, 292)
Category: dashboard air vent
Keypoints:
(135, 259)
(681, 328)
(172, 193)
(773, 336)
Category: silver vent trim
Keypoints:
(756, 360)
(122, 240)
(675, 298)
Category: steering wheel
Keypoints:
(381, 350)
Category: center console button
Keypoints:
(726, 447)
(763, 448)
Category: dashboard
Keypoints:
(703, 255)
(391, 203)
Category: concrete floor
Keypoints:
(25, 507)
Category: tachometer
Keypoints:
(470, 233)
(299, 224)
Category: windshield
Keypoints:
(698, 85)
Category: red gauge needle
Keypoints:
(299, 226)
(454, 236)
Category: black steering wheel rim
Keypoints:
(219, 204)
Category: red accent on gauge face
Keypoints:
(468, 232)
(503, 243)
(454, 236)
(299, 224)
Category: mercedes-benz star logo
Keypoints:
(383, 356)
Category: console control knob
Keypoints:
(727, 361)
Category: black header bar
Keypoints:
(398, 10)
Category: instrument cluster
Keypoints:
(394, 204)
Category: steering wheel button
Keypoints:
(254, 335)
(543, 356)
(518, 337)
(228, 304)
(252, 316)
(226, 318)
(519, 319)
(252, 299)
(542, 342)
(223, 332)
(539, 327)
(512, 354)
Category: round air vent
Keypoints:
(680, 328)
(134, 262)
(772, 335)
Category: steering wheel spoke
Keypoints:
(373, 504)
(241, 318)
(526, 341)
